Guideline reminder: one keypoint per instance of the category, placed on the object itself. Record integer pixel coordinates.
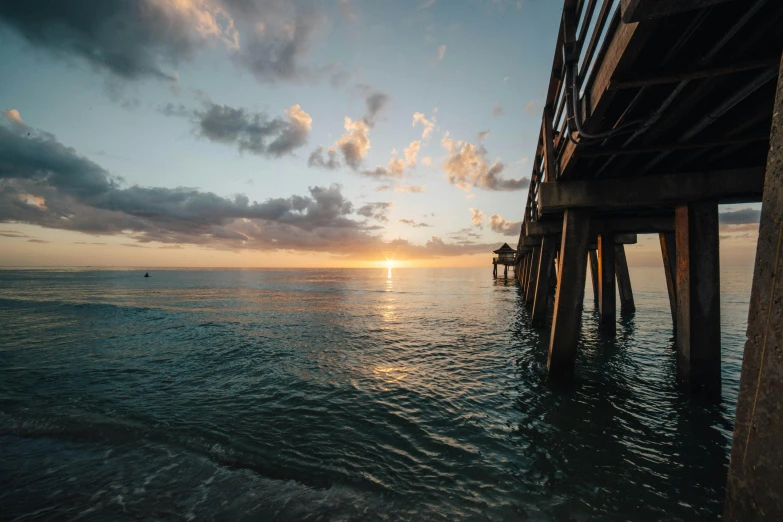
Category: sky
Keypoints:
(276, 134)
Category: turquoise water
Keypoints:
(345, 395)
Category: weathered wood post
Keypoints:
(594, 275)
(607, 300)
(567, 318)
(668, 251)
(532, 280)
(698, 294)
(754, 489)
(627, 305)
(546, 269)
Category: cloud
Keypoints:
(410, 189)
(477, 218)
(377, 210)
(11, 233)
(742, 216)
(530, 107)
(128, 39)
(139, 39)
(426, 160)
(249, 132)
(355, 142)
(346, 10)
(497, 110)
(413, 223)
(427, 125)
(375, 102)
(426, 4)
(482, 134)
(441, 52)
(411, 152)
(394, 169)
(82, 196)
(14, 117)
(466, 166)
(317, 158)
(508, 228)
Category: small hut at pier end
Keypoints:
(505, 256)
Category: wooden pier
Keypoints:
(657, 111)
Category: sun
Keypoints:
(390, 263)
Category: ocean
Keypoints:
(346, 394)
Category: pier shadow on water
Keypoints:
(622, 439)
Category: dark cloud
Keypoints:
(317, 159)
(377, 210)
(375, 102)
(277, 52)
(134, 39)
(251, 132)
(254, 132)
(45, 183)
(38, 241)
(742, 216)
(129, 39)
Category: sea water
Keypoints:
(410, 394)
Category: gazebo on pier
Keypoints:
(505, 257)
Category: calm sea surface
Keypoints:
(344, 395)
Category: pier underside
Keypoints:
(657, 112)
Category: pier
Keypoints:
(656, 112)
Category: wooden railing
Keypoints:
(584, 33)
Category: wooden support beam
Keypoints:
(737, 185)
(607, 291)
(532, 279)
(756, 468)
(676, 77)
(546, 269)
(698, 295)
(668, 251)
(653, 224)
(594, 276)
(670, 147)
(639, 10)
(627, 305)
(567, 318)
(528, 241)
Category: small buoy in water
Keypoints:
(147, 274)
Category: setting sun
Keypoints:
(390, 263)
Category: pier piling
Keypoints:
(607, 300)
(698, 294)
(753, 491)
(567, 317)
